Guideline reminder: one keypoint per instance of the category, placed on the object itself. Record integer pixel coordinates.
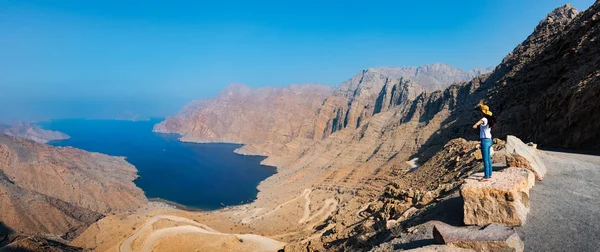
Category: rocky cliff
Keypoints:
(547, 89)
(377, 90)
(58, 191)
(32, 132)
(356, 100)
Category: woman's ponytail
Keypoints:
(491, 120)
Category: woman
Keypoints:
(485, 134)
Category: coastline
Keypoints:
(178, 206)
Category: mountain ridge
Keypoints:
(331, 116)
(434, 76)
(278, 114)
(37, 200)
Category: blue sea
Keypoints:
(201, 176)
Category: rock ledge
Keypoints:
(503, 199)
(494, 237)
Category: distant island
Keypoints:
(130, 115)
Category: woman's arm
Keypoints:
(480, 122)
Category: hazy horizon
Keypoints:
(109, 59)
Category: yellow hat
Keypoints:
(484, 109)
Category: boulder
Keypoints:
(408, 213)
(519, 171)
(498, 144)
(514, 145)
(426, 198)
(516, 160)
(503, 199)
(492, 238)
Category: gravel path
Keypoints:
(565, 207)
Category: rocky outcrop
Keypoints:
(38, 244)
(524, 156)
(442, 173)
(32, 132)
(54, 190)
(503, 199)
(491, 238)
(265, 119)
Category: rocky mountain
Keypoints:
(547, 89)
(269, 117)
(354, 101)
(435, 76)
(60, 191)
(32, 132)
(369, 92)
(377, 90)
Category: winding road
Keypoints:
(256, 216)
(306, 209)
(264, 243)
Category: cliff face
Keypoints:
(268, 117)
(359, 98)
(32, 132)
(51, 190)
(548, 88)
(378, 89)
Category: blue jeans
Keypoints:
(486, 146)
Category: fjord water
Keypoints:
(204, 176)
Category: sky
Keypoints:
(108, 59)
